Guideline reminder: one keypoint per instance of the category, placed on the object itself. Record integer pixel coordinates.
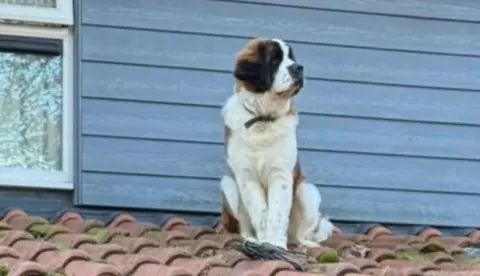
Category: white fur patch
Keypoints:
(232, 196)
(283, 80)
(307, 226)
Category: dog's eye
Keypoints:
(276, 61)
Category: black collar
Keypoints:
(258, 118)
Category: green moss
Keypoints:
(39, 230)
(329, 257)
(4, 226)
(61, 245)
(4, 270)
(38, 220)
(100, 261)
(101, 235)
(473, 260)
(409, 256)
(57, 272)
(432, 247)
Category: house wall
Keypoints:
(389, 114)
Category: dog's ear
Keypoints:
(251, 73)
(252, 69)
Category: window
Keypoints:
(39, 11)
(36, 103)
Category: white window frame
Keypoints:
(61, 14)
(62, 180)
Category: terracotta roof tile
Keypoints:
(74, 245)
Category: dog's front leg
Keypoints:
(254, 201)
(235, 205)
(280, 197)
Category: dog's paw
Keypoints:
(251, 239)
(308, 243)
(324, 231)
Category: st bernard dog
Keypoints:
(265, 196)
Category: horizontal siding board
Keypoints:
(166, 85)
(161, 158)
(352, 204)
(51, 205)
(439, 9)
(156, 84)
(206, 161)
(327, 62)
(139, 191)
(357, 204)
(309, 25)
(180, 122)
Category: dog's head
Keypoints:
(268, 65)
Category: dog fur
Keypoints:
(265, 196)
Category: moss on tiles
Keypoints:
(38, 220)
(61, 245)
(329, 257)
(474, 260)
(101, 235)
(100, 261)
(39, 230)
(57, 272)
(432, 247)
(410, 256)
(4, 226)
(4, 270)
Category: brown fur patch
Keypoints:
(229, 222)
(292, 111)
(239, 86)
(298, 177)
(250, 53)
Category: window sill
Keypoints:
(20, 178)
(63, 14)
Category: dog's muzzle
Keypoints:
(296, 71)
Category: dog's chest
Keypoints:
(263, 147)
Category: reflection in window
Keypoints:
(36, 3)
(30, 111)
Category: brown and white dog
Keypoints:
(265, 196)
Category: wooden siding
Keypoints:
(51, 204)
(390, 115)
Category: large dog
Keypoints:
(265, 196)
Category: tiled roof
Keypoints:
(73, 245)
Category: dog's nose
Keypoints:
(296, 69)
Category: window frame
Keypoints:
(63, 179)
(61, 14)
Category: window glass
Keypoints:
(30, 111)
